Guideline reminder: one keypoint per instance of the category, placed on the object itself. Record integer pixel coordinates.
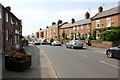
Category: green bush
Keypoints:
(92, 37)
(106, 32)
(110, 35)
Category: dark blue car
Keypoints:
(113, 52)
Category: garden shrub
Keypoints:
(110, 35)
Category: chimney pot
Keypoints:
(8, 8)
(53, 23)
(100, 9)
(73, 20)
(87, 15)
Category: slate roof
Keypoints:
(112, 11)
(80, 22)
(53, 26)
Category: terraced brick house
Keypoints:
(10, 29)
(77, 28)
(107, 18)
(52, 31)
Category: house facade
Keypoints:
(106, 18)
(52, 31)
(77, 29)
(10, 29)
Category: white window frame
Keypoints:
(6, 17)
(81, 27)
(97, 33)
(108, 22)
(98, 21)
(77, 35)
(88, 26)
(16, 23)
(15, 39)
(81, 35)
(7, 33)
(11, 21)
(77, 27)
(70, 31)
(74, 28)
(0, 13)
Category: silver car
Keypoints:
(56, 43)
(74, 44)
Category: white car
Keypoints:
(36, 42)
(56, 43)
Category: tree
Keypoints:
(63, 34)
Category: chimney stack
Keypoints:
(40, 28)
(53, 23)
(100, 9)
(8, 8)
(72, 20)
(87, 15)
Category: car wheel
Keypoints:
(72, 47)
(109, 54)
(66, 46)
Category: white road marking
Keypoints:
(109, 64)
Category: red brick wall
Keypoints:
(114, 18)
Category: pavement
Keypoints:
(41, 67)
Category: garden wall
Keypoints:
(104, 44)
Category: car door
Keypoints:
(119, 51)
(115, 52)
(69, 44)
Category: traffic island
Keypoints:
(17, 61)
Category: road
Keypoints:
(81, 63)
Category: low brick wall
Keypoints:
(104, 44)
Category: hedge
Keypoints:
(93, 36)
(110, 35)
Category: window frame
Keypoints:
(7, 34)
(81, 27)
(98, 21)
(6, 17)
(108, 24)
(97, 37)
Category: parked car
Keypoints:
(56, 43)
(30, 42)
(43, 41)
(74, 44)
(113, 52)
(36, 42)
(50, 41)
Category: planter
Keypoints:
(17, 63)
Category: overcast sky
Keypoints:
(36, 14)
